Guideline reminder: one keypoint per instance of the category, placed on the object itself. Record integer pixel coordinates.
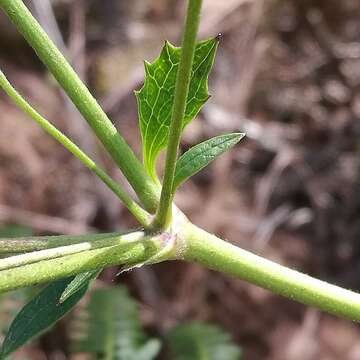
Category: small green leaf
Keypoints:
(199, 156)
(155, 99)
(197, 341)
(39, 314)
(77, 284)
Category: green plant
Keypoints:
(175, 89)
(38, 315)
(201, 341)
(11, 301)
(109, 328)
(9, 305)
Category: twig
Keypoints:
(141, 215)
(163, 214)
(116, 145)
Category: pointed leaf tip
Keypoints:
(156, 97)
(199, 156)
(78, 283)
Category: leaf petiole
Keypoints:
(139, 213)
(49, 54)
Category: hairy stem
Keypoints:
(140, 214)
(59, 251)
(163, 215)
(216, 254)
(36, 243)
(191, 244)
(127, 250)
(133, 170)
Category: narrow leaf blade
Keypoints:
(155, 99)
(39, 314)
(199, 156)
(78, 283)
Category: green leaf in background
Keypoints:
(39, 314)
(78, 283)
(197, 341)
(199, 156)
(14, 230)
(109, 328)
(155, 99)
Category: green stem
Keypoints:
(59, 251)
(36, 243)
(140, 214)
(216, 254)
(127, 250)
(190, 244)
(133, 170)
(163, 215)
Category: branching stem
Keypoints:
(120, 151)
(127, 250)
(36, 256)
(219, 255)
(192, 244)
(187, 242)
(140, 214)
(36, 243)
(163, 215)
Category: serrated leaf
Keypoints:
(199, 156)
(155, 99)
(197, 341)
(39, 314)
(77, 283)
(109, 328)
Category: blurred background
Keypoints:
(287, 73)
